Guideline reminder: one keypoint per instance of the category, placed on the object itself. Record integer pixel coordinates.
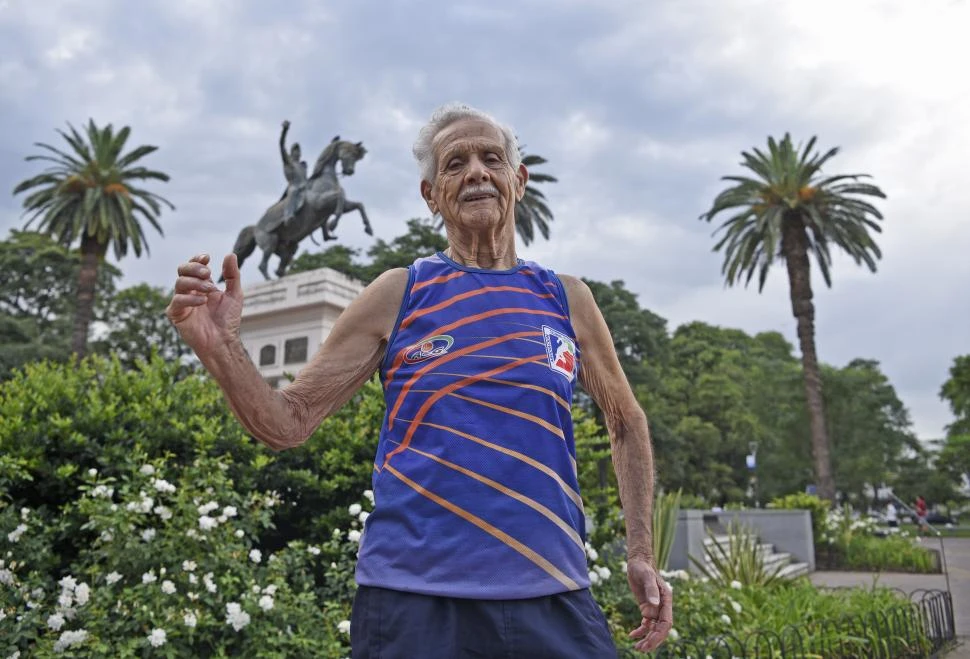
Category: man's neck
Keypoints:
(486, 252)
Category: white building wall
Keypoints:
(301, 306)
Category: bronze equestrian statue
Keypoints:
(307, 204)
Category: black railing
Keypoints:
(919, 627)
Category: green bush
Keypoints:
(892, 553)
(57, 421)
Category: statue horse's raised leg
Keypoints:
(354, 206)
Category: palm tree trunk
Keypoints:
(795, 250)
(91, 254)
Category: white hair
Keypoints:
(443, 117)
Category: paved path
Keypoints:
(958, 561)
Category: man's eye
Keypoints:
(454, 162)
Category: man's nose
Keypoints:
(476, 172)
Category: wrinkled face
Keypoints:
(474, 186)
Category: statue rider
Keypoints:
(295, 171)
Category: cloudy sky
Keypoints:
(640, 107)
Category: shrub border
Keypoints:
(924, 624)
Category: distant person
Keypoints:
(892, 515)
(921, 514)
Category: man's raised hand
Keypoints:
(205, 316)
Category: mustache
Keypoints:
(484, 188)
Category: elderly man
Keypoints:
(475, 545)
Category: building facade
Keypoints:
(285, 321)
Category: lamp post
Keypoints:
(751, 460)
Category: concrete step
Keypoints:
(793, 570)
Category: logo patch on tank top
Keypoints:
(561, 351)
(433, 346)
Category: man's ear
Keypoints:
(521, 178)
(426, 195)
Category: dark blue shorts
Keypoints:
(390, 624)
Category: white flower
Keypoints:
(363, 516)
(55, 621)
(163, 485)
(353, 535)
(736, 585)
(144, 506)
(207, 523)
(188, 566)
(673, 634)
(14, 535)
(113, 577)
(92, 472)
(193, 579)
(157, 638)
(189, 619)
(207, 508)
(102, 491)
(255, 588)
(163, 512)
(70, 638)
(67, 583)
(65, 599)
(149, 577)
(230, 511)
(369, 495)
(6, 577)
(147, 470)
(192, 533)
(168, 587)
(148, 535)
(255, 555)
(209, 584)
(239, 533)
(354, 509)
(594, 578)
(235, 616)
(266, 602)
(735, 606)
(82, 593)
(106, 536)
(24, 513)
(343, 626)
(270, 589)
(592, 553)
(726, 619)
(603, 571)
(3, 614)
(313, 549)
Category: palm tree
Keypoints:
(87, 195)
(531, 212)
(789, 211)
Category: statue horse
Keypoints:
(323, 197)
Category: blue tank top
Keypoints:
(475, 482)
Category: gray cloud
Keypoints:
(639, 107)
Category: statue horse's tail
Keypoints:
(245, 245)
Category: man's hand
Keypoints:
(656, 604)
(286, 124)
(206, 317)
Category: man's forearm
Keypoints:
(633, 463)
(264, 412)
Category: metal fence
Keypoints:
(919, 627)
